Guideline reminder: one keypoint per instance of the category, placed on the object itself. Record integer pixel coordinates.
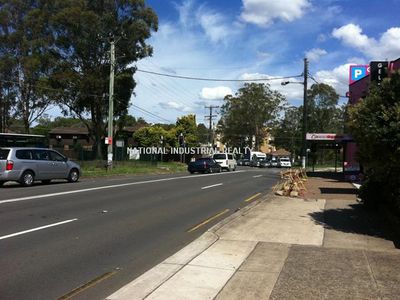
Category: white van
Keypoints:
(226, 160)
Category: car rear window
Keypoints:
(24, 154)
(219, 156)
(4, 153)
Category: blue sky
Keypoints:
(247, 39)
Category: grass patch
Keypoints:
(98, 168)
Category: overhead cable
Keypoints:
(216, 79)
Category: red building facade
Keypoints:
(357, 91)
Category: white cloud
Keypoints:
(213, 24)
(315, 54)
(264, 12)
(175, 105)
(216, 93)
(185, 11)
(387, 47)
(338, 78)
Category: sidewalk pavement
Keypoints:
(325, 246)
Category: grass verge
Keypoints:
(98, 168)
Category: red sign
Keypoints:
(108, 141)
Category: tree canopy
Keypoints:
(25, 59)
(83, 31)
(246, 114)
(374, 123)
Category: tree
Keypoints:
(324, 114)
(45, 124)
(202, 133)
(25, 56)
(246, 115)
(187, 126)
(150, 136)
(374, 122)
(83, 30)
(288, 133)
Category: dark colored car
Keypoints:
(204, 165)
(246, 162)
(265, 163)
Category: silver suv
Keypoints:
(25, 165)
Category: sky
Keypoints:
(248, 39)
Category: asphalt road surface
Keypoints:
(86, 240)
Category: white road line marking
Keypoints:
(36, 229)
(210, 186)
(256, 176)
(115, 186)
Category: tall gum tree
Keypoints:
(25, 57)
(82, 30)
(246, 115)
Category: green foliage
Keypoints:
(253, 108)
(375, 124)
(188, 127)
(151, 137)
(202, 133)
(324, 115)
(45, 124)
(25, 59)
(82, 31)
(288, 133)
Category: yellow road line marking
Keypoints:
(87, 285)
(252, 197)
(208, 220)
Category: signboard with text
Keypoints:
(357, 72)
(328, 137)
(379, 70)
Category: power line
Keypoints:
(152, 114)
(216, 79)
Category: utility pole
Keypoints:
(111, 106)
(305, 113)
(210, 118)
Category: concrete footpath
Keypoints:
(324, 246)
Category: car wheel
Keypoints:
(47, 181)
(1, 183)
(191, 172)
(73, 175)
(27, 178)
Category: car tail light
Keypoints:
(9, 165)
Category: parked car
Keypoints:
(245, 162)
(204, 165)
(265, 163)
(274, 162)
(26, 165)
(255, 162)
(226, 160)
(284, 162)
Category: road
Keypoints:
(88, 239)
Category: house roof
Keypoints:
(69, 130)
(281, 152)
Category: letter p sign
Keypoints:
(358, 72)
